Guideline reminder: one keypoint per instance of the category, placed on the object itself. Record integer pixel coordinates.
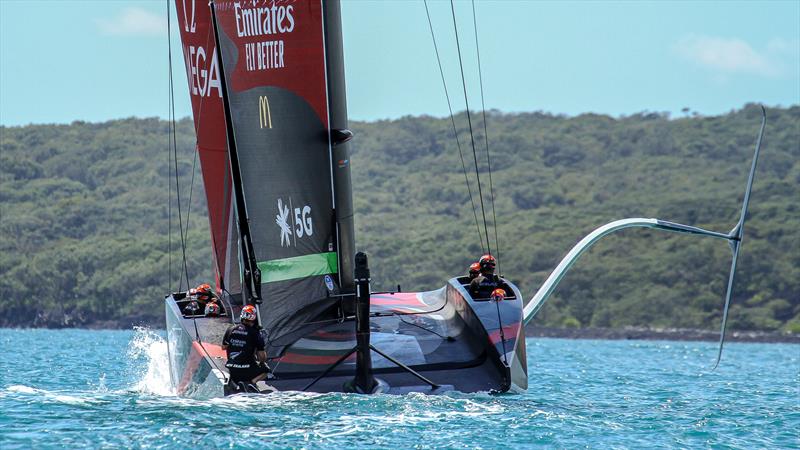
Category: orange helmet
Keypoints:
(498, 294)
(248, 313)
(487, 261)
(212, 309)
(203, 292)
(474, 269)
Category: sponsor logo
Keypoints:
(264, 114)
(301, 226)
(282, 220)
(271, 21)
(237, 366)
(189, 22)
(202, 71)
(329, 283)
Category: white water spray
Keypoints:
(148, 350)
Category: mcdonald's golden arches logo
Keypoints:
(264, 114)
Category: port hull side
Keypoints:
(193, 371)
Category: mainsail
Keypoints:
(275, 83)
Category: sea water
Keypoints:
(79, 388)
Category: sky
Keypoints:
(62, 61)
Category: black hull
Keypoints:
(446, 336)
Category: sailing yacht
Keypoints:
(266, 79)
(268, 96)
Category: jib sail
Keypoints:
(273, 55)
(205, 89)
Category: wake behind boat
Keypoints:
(266, 80)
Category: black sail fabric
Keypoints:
(278, 102)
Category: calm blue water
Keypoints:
(81, 388)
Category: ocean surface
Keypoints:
(110, 389)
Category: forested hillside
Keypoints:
(84, 208)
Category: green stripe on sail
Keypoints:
(298, 267)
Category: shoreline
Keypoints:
(660, 334)
(610, 334)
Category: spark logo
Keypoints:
(301, 225)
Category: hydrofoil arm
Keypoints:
(541, 296)
(734, 238)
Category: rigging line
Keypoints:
(471, 133)
(197, 127)
(175, 153)
(169, 177)
(197, 147)
(486, 138)
(502, 333)
(455, 132)
(191, 191)
(173, 131)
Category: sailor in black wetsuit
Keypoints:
(246, 351)
(481, 287)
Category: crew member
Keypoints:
(474, 270)
(486, 282)
(203, 294)
(246, 351)
(212, 309)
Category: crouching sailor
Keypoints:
(246, 350)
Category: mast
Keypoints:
(340, 135)
(250, 271)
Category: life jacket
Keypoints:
(483, 285)
(242, 343)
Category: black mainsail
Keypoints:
(278, 99)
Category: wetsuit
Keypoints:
(483, 285)
(242, 343)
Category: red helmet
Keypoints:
(212, 309)
(248, 313)
(487, 261)
(498, 294)
(474, 269)
(203, 292)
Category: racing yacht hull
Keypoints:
(459, 343)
